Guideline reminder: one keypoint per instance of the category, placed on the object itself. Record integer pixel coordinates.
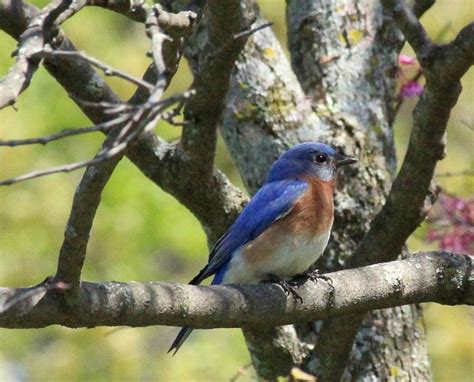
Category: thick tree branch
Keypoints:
(88, 193)
(409, 24)
(441, 277)
(85, 203)
(203, 111)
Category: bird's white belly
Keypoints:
(292, 255)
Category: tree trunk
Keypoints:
(339, 89)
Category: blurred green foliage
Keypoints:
(142, 233)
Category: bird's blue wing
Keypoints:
(273, 201)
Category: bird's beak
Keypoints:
(342, 160)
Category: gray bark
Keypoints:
(257, 307)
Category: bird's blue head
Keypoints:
(310, 159)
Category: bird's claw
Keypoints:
(289, 287)
(316, 275)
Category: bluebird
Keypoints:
(284, 228)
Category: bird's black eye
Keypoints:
(320, 158)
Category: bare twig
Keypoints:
(435, 276)
(55, 170)
(244, 34)
(108, 108)
(108, 70)
(103, 127)
(158, 39)
(410, 25)
(142, 121)
(147, 112)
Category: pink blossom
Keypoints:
(411, 89)
(452, 224)
(403, 59)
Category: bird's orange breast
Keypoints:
(311, 216)
(313, 213)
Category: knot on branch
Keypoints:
(454, 274)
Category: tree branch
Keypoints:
(78, 227)
(409, 24)
(203, 111)
(441, 277)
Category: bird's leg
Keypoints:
(287, 286)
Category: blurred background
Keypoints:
(143, 234)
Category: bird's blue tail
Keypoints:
(179, 340)
(185, 332)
